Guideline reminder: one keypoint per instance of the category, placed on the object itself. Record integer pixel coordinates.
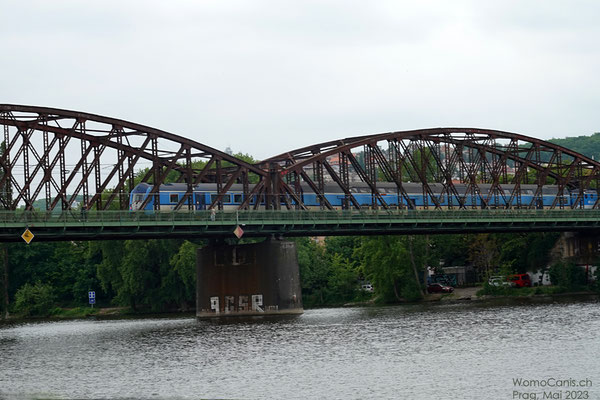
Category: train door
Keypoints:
(199, 200)
(589, 199)
(414, 203)
(539, 203)
(576, 203)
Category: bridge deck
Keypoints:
(128, 225)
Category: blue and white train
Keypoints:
(205, 193)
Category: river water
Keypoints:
(452, 351)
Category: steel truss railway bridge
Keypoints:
(66, 175)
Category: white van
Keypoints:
(367, 287)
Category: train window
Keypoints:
(237, 198)
(138, 197)
(173, 198)
(225, 199)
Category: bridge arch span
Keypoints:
(57, 156)
(452, 167)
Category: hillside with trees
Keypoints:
(586, 145)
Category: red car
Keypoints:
(520, 280)
(439, 288)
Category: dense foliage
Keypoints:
(586, 145)
(160, 275)
(153, 274)
(35, 299)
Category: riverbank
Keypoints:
(59, 314)
(469, 294)
(476, 293)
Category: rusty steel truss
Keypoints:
(489, 166)
(54, 156)
(50, 158)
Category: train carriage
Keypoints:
(205, 194)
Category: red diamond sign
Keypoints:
(239, 232)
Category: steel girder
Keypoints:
(445, 158)
(61, 156)
(125, 225)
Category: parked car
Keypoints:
(500, 281)
(439, 288)
(520, 280)
(367, 287)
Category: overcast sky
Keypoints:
(264, 77)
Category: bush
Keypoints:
(34, 300)
(77, 312)
(494, 290)
(411, 292)
(519, 292)
(567, 275)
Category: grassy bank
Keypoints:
(488, 290)
(59, 313)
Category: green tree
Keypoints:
(184, 266)
(567, 275)
(109, 254)
(483, 254)
(34, 300)
(314, 272)
(587, 145)
(140, 274)
(453, 250)
(343, 246)
(29, 263)
(71, 277)
(342, 280)
(392, 267)
(525, 251)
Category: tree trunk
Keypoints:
(5, 281)
(414, 265)
(396, 290)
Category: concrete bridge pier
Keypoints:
(248, 279)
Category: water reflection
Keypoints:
(416, 351)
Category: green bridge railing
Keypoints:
(245, 216)
(94, 225)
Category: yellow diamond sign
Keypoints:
(27, 236)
